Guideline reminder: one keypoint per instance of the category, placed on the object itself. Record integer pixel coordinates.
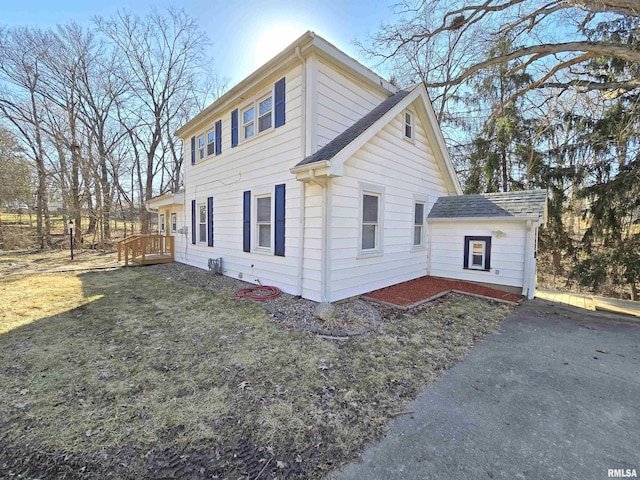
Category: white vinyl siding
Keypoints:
(256, 165)
(507, 251)
(409, 173)
(342, 101)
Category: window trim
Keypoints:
(211, 132)
(377, 191)
(202, 150)
(411, 125)
(244, 125)
(256, 223)
(270, 113)
(255, 104)
(202, 226)
(468, 254)
(423, 245)
(174, 222)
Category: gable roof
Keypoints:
(528, 204)
(336, 145)
(333, 156)
(305, 45)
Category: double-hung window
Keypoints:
(418, 224)
(201, 150)
(263, 221)
(174, 222)
(161, 222)
(211, 142)
(408, 125)
(370, 221)
(248, 122)
(477, 253)
(265, 109)
(202, 222)
(371, 228)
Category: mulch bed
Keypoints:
(423, 288)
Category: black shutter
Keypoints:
(193, 150)
(218, 137)
(246, 221)
(279, 103)
(234, 128)
(280, 216)
(210, 221)
(193, 222)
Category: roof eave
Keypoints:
(506, 218)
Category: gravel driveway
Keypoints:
(555, 395)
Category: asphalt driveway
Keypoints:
(554, 395)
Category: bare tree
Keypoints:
(163, 59)
(534, 28)
(21, 103)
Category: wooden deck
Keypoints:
(146, 249)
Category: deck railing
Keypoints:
(146, 249)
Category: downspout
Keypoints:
(527, 288)
(303, 150)
(323, 250)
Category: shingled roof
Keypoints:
(334, 147)
(528, 203)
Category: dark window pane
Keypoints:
(419, 217)
(264, 235)
(264, 209)
(477, 260)
(417, 235)
(264, 123)
(369, 208)
(368, 237)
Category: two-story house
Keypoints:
(317, 176)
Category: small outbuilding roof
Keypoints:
(334, 147)
(524, 204)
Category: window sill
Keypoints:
(372, 254)
(418, 248)
(262, 251)
(411, 140)
(478, 269)
(257, 135)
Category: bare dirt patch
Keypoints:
(153, 378)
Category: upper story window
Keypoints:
(211, 142)
(265, 110)
(248, 122)
(201, 152)
(408, 125)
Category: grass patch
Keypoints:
(134, 376)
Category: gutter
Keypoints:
(481, 219)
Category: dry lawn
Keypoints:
(123, 374)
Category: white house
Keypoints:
(319, 177)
